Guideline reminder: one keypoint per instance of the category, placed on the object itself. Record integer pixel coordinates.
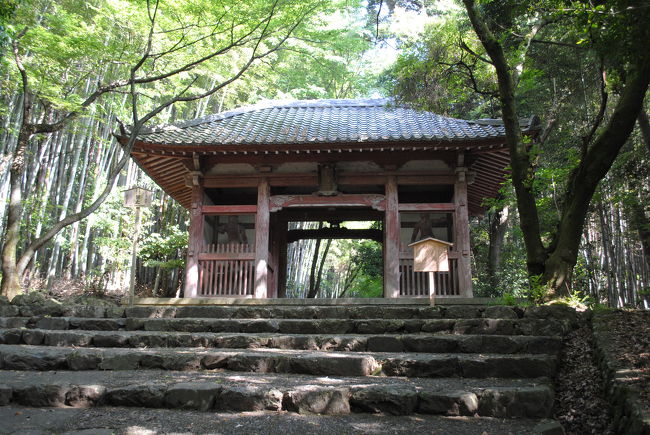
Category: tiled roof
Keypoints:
(321, 121)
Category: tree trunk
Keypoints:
(498, 227)
(10, 274)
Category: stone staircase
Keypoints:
(398, 360)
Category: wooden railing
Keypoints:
(227, 269)
(416, 284)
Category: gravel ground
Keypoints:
(136, 421)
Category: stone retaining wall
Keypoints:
(627, 414)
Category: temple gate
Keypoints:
(245, 174)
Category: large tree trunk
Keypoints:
(10, 274)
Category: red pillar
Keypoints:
(391, 240)
(195, 244)
(262, 239)
(461, 230)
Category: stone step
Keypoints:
(227, 391)
(428, 343)
(110, 420)
(524, 326)
(26, 357)
(293, 312)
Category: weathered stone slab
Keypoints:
(13, 322)
(204, 312)
(248, 398)
(500, 312)
(379, 326)
(430, 343)
(462, 312)
(32, 359)
(514, 366)
(453, 403)
(343, 343)
(85, 396)
(84, 311)
(11, 336)
(111, 340)
(147, 340)
(57, 323)
(550, 326)
(33, 336)
(318, 400)
(83, 361)
(333, 366)
(146, 395)
(120, 361)
(387, 400)
(41, 395)
(188, 395)
(380, 343)
(299, 342)
(433, 367)
(9, 311)
(67, 338)
(5, 394)
(250, 313)
(260, 326)
(109, 324)
(437, 325)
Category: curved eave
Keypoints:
(167, 164)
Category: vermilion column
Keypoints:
(195, 244)
(391, 240)
(262, 239)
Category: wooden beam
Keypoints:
(195, 244)
(227, 256)
(262, 239)
(431, 206)
(461, 233)
(317, 215)
(343, 179)
(278, 202)
(335, 233)
(228, 209)
(391, 240)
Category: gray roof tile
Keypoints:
(321, 121)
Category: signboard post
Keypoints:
(431, 255)
(136, 197)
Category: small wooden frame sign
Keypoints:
(431, 255)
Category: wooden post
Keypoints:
(461, 230)
(281, 274)
(262, 239)
(195, 244)
(391, 240)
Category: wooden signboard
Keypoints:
(431, 255)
